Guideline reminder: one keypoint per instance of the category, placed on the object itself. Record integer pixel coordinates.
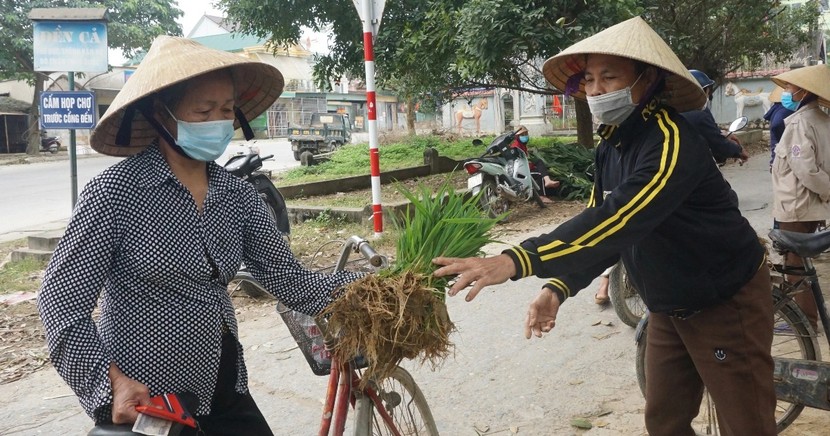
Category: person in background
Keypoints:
(775, 116)
(536, 165)
(601, 297)
(661, 205)
(703, 122)
(801, 166)
(159, 235)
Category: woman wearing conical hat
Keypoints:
(801, 162)
(159, 235)
(661, 205)
(775, 116)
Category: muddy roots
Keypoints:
(388, 319)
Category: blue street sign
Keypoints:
(67, 110)
(70, 46)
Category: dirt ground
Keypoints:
(496, 383)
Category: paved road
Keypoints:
(496, 382)
(37, 196)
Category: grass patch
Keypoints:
(21, 276)
(353, 159)
(317, 243)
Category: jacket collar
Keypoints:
(155, 171)
(631, 127)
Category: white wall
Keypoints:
(17, 90)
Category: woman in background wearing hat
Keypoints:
(775, 116)
(159, 235)
(801, 165)
(661, 204)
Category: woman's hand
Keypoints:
(479, 272)
(541, 314)
(126, 394)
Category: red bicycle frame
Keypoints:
(340, 394)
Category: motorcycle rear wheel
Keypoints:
(491, 200)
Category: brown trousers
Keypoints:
(804, 298)
(727, 349)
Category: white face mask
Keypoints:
(612, 108)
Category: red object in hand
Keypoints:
(171, 409)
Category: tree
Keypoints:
(432, 49)
(722, 36)
(133, 24)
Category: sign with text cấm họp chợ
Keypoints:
(67, 110)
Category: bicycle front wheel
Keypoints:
(403, 400)
(792, 337)
(626, 301)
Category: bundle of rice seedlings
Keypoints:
(400, 313)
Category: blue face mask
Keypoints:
(204, 141)
(787, 101)
(523, 139)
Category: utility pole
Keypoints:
(370, 12)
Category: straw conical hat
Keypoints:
(632, 39)
(775, 94)
(815, 79)
(171, 60)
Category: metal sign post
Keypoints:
(70, 39)
(68, 110)
(370, 12)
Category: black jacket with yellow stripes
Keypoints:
(659, 203)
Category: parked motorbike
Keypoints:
(502, 175)
(246, 166)
(49, 143)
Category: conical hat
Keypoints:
(775, 94)
(632, 39)
(172, 60)
(815, 79)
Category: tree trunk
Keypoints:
(33, 146)
(584, 124)
(410, 116)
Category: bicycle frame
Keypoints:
(375, 404)
(343, 390)
(343, 387)
(801, 380)
(808, 275)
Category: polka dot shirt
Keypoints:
(161, 269)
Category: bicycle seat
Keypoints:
(802, 244)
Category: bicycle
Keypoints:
(627, 303)
(801, 378)
(392, 406)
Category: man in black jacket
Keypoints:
(703, 122)
(662, 206)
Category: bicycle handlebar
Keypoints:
(358, 244)
(375, 259)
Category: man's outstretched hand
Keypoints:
(541, 314)
(475, 271)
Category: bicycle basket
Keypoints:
(310, 340)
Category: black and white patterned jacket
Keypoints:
(161, 269)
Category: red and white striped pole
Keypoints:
(371, 107)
